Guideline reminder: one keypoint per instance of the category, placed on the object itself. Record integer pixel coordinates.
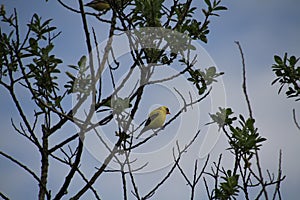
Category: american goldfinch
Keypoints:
(99, 5)
(155, 119)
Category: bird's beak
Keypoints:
(168, 113)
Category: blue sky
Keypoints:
(264, 28)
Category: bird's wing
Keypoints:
(151, 118)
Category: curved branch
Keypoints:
(180, 153)
(99, 172)
(3, 196)
(68, 7)
(244, 80)
(26, 169)
(295, 120)
(69, 177)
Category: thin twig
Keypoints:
(295, 120)
(244, 80)
(203, 168)
(3, 196)
(277, 189)
(70, 175)
(26, 169)
(123, 175)
(207, 188)
(169, 122)
(184, 175)
(130, 171)
(244, 86)
(99, 172)
(184, 150)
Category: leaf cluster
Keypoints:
(202, 79)
(229, 188)
(222, 117)
(147, 13)
(245, 139)
(81, 84)
(212, 7)
(180, 17)
(8, 46)
(44, 65)
(287, 74)
(37, 47)
(192, 27)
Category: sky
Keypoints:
(263, 28)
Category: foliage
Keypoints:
(228, 188)
(202, 79)
(27, 60)
(245, 142)
(80, 84)
(222, 117)
(288, 74)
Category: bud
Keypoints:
(2, 10)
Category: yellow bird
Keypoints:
(155, 119)
(99, 5)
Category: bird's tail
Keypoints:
(142, 131)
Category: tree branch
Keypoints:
(26, 169)
(244, 86)
(99, 172)
(295, 120)
(176, 161)
(70, 175)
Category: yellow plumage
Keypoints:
(156, 119)
(99, 5)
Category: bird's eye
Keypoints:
(167, 109)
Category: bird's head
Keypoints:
(166, 109)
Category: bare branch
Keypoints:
(295, 120)
(3, 196)
(135, 187)
(244, 80)
(68, 7)
(70, 175)
(207, 188)
(26, 169)
(91, 187)
(202, 171)
(279, 177)
(100, 171)
(184, 175)
(176, 161)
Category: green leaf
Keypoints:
(47, 22)
(70, 75)
(191, 79)
(211, 71)
(293, 60)
(32, 41)
(277, 59)
(205, 12)
(73, 67)
(273, 82)
(82, 62)
(242, 118)
(208, 3)
(220, 8)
